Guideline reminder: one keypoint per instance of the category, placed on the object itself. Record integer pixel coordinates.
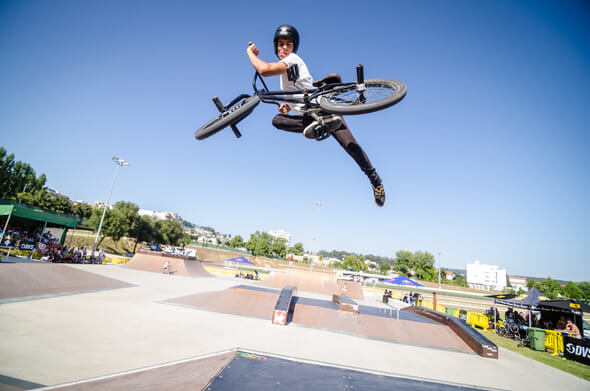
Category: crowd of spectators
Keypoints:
(563, 323)
(64, 254)
(32, 239)
(24, 238)
(413, 298)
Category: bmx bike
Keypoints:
(329, 95)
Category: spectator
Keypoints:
(101, 256)
(560, 325)
(509, 315)
(570, 327)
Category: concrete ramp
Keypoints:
(314, 282)
(176, 265)
(30, 281)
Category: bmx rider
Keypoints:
(286, 43)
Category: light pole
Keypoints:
(119, 163)
(315, 239)
(439, 270)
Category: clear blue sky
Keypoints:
(486, 159)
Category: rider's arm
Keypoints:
(262, 67)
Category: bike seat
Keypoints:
(330, 78)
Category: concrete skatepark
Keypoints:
(120, 323)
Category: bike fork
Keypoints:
(220, 107)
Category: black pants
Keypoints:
(296, 123)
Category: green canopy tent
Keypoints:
(11, 208)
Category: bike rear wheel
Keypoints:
(231, 116)
(377, 95)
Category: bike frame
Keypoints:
(305, 97)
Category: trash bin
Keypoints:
(537, 338)
(450, 311)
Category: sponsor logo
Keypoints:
(578, 350)
(252, 356)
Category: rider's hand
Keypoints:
(252, 49)
(284, 108)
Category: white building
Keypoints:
(277, 233)
(158, 215)
(481, 276)
(518, 283)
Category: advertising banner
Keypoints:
(576, 349)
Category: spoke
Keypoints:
(351, 96)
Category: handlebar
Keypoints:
(257, 75)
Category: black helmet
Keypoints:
(286, 31)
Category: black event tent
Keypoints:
(502, 296)
(529, 300)
(573, 306)
(564, 307)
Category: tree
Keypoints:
(530, 284)
(384, 268)
(237, 242)
(297, 249)
(17, 177)
(145, 231)
(114, 224)
(585, 288)
(186, 239)
(404, 261)
(424, 266)
(61, 204)
(573, 291)
(130, 213)
(279, 247)
(251, 245)
(459, 280)
(352, 262)
(168, 232)
(82, 210)
(260, 244)
(549, 287)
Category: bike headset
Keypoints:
(286, 31)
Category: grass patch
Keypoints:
(572, 367)
(80, 238)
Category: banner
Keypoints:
(576, 349)
(27, 246)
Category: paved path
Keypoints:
(67, 338)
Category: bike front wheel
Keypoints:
(231, 116)
(378, 94)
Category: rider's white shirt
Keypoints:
(303, 82)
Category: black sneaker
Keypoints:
(323, 127)
(379, 193)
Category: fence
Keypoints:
(554, 341)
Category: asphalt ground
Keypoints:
(60, 339)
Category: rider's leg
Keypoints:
(348, 142)
(291, 123)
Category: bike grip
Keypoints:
(218, 104)
(360, 77)
(236, 131)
